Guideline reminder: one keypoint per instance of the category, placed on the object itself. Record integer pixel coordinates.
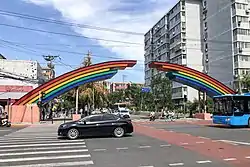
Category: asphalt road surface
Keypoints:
(39, 146)
(236, 136)
(8, 130)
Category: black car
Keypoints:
(96, 125)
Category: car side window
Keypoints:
(95, 118)
(109, 117)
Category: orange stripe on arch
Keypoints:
(199, 76)
(69, 77)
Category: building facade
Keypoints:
(175, 39)
(17, 77)
(227, 28)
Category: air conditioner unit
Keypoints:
(240, 50)
(239, 22)
(206, 60)
(205, 39)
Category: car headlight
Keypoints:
(64, 126)
(227, 119)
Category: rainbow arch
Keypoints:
(72, 79)
(193, 78)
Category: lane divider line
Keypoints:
(230, 159)
(176, 164)
(203, 162)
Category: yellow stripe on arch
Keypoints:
(202, 80)
(66, 82)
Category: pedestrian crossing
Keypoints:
(39, 146)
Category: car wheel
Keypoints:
(73, 134)
(119, 132)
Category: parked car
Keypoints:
(96, 125)
(123, 113)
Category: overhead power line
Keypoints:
(65, 34)
(53, 21)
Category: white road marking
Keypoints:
(184, 143)
(28, 139)
(79, 163)
(229, 159)
(4, 130)
(42, 148)
(100, 149)
(176, 164)
(248, 157)
(235, 142)
(203, 162)
(146, 166)
(171, 131)
(35, 145)
(122, 148)
(144, 146)
(43, 158)
(165, 145)
(25, 138)
(201, 137)
(44, 141)
(43, 152)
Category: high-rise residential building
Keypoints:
(176, 38)
(227, 40)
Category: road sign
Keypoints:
(145, 89)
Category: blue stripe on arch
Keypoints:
(197, 86)
(104, 77)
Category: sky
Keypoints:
(95, 29)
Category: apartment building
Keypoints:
(227, 40)
(176, 38)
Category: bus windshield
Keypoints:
(223, 106)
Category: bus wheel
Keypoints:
(249, 122)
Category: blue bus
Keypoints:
(232, 110)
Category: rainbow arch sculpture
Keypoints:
(193, 78)
(73, 79)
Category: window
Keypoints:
(110, 117)
(95, 118)
(183, 13)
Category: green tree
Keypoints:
(245, 81)
(162, 92)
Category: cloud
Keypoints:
(127, 15)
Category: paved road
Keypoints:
(236, 136)
(8, 130)
(142, 151)
(39, 146)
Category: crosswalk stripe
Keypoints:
(42, 148)
(47, 144)
(44, 141)
(43, 152)
(79, 163)
(44, 158)
(26, 138)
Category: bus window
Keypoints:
(238, 107)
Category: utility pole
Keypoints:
(50, 65)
